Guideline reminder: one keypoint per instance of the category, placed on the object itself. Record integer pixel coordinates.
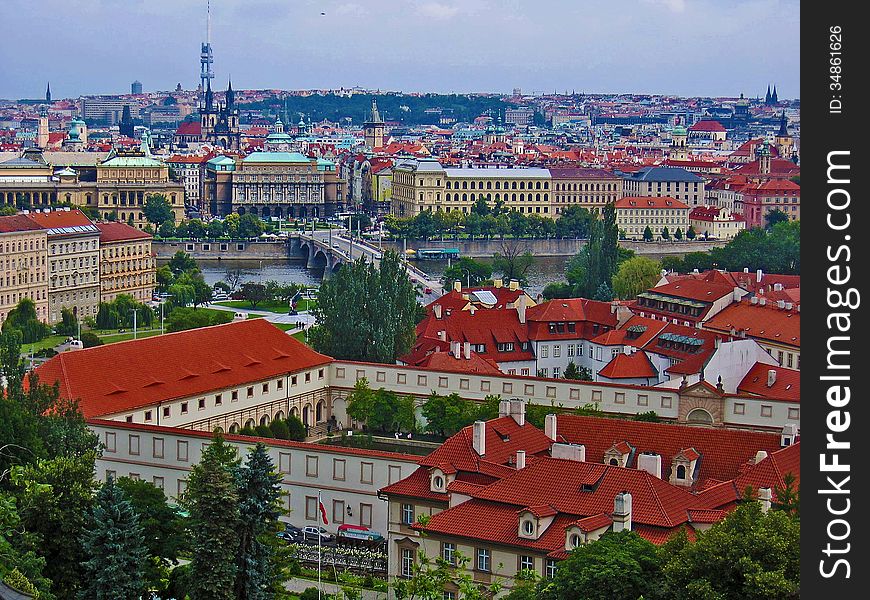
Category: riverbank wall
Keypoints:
(554, 246)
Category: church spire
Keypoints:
(783, 125)
(48, 92)
(209, 96)
(767, 97)
(231, 95)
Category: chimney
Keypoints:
(789, 305)
(651, 463)
(575, 452)
(442, 335)
(746, 269)
(550, 426)
(780, 304)
(622, 512)
(777, 287)
(738, 293)
(762, 302)
(788, 435)
(514, 285)
(765, 496)
(518, 411)
(478, 441)
(436, 309)
(663, 272)
(695, 271)
(471, 309)
(497, 283)
(753, 300)
(760, 456)
(758, 275)
(521, 308)
(521, 459)
(466, 350)
(771, 377)
(504, 408)
(457, 286)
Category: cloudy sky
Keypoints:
(683, 47)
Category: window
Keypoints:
(181, 487)
(507, 388)
(338, 511)
(250, 392)
(448, 552)
(147, 415)
(557, 350)
(201, 403)
(158, 482)
(134, 444)
(366, 470)
(527, 563)
(739, 408)
(766, 410)
(401, 378)
(394, 474)
(111, 474)
(666, 401)
(544, 351)
(407, 514)
(681, 472)
(235, 396)
(642, 400)
(421, 380)
(529, 389)
(794, 413)
(407, 562)
(575, 540)
(279, 383)
(184, 408)
(293, 380)
(483, 558)
(158, 447)
(181, 451)
(311, 465)
(218, 400)
(166, 412)
(311, 508)
(265, 388)
(528, 527)
(619, 398)
(320, 374)
(110, 441)
(365, 515)
(307, 377)
(338, 465)
(442, 382)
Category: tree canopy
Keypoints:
(366, 312)
(634, 276)
(157, 209)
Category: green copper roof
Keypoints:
(221, 160)
(276, 157)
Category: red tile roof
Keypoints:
(445, 361)
(707, 126)
(649, 202)
(786, 386)
(416, 485)
(60, 218)
(694, 289)
(771, 471)
(189, 128)
(723, 451)
(13, 223)
(137, 373)
(116, 232)
(767, 323)
(594, 522)
(629, 366)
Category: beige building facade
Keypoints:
(591, 189)
(127, 263)
(23, 257)
(635, 214)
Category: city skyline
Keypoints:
(255, 42)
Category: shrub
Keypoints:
(91, 339)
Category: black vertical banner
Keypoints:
(834, 253)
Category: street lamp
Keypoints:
(161, 312)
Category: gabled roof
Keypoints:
(13, 223)
(711, 126)
(723, 451)
(629, 366)
(189, 128)
(445, 361)
(650, 202)
(117, 232)
(694, 289)
(137, 373)
(767, 323)
(786, 386)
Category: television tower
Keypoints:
(206, 58)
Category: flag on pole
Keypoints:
(322, 510)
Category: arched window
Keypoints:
(681, 472)
(614, 462)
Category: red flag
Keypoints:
(323, 513)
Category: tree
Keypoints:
(788, 496)
(215, 229)
(69, 324)
(91, 339)
(635, 276)
(164, 278)
(690, 233)
(574, 221)
(195, 229)
(572, 371)
(182, 319)
(557, 290)
(468, 271)
(259, 509)
(513, 261)
(233, 278)
(254, 293)
(381, 410)
(647, 234)
(604, 293)
(182, 262)
(365, 312)
(617, 565)
(231, 225)
(750, 555)
(446, 415)
(250, 226)
(212, 499)
(166, 229)
(157, 210)
(22, 570)
(54, 496)
(678, 234)
(199, 291)
(773, 217)
(162, 528)
(666, 234)
(23, 318)
(114, 544)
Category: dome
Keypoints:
(679, 130)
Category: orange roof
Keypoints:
(445, 361)
(707, 126)
(117, 232)
(653, 202)
(769, 323)
(694, 289)
(786, 386)
(629, 366)
(57, 219)
(128, 375)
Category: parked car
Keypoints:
(311, 534)
(291, 534)
(220, 296)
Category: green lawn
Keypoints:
(284, 326)
(49, 342)
(300, 336)
(122, 337)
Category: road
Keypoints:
(303, 317)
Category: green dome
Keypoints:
(679, 130)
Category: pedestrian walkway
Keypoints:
(298, 586)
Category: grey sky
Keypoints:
(682, 47)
